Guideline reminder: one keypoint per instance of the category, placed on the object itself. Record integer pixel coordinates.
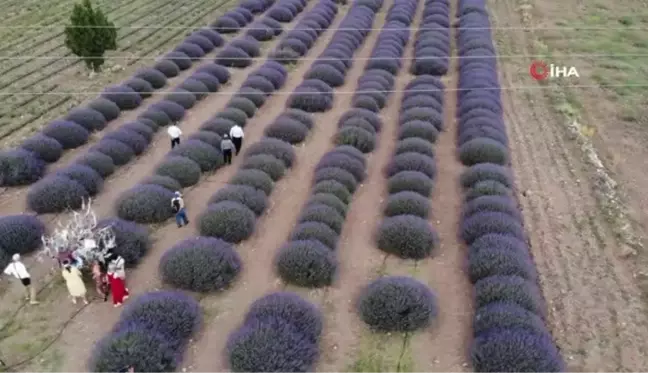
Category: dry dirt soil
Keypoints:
(579, 150)
(568, 145)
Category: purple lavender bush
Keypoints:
(55, 194)
(20, 234)
(145, 204)
(69, 134)
(88, 118)
(307, 263)
(250, 197)
(407, 237)
(200, 264)
(170, 314)
(44, 147)
(131, 239)
(397, 304)
(228, 220)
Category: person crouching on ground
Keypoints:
(236, 133)
(226, 148)
(74, 282)
(174, 132)
(177, 203)
(18, 270)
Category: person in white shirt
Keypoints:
(174, 132)
(17, 269)
(236, 134)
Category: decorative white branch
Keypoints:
(79, 235)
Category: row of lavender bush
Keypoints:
(154, 330)
(151, 335)
(27, 164)
(208, 262)
(287, 338)
(280, 332)
(315, 93)
(432, 46)
(509, 327)
(234, 20)
(180, 169)
(67, 188)
(400, 303)
(242, 52)
(21, 233)
(405, 231)
(148, 202)
(308, 259)
(70, 186)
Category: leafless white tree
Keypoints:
(79, 235)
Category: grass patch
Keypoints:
(619, 45)
(383, 353)
(381, 270)
(413, 268)
(24, 334)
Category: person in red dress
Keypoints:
(117, 280)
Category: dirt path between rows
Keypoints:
(336, 301)
(595, 310)
(445, 347)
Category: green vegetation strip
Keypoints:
(67, 54)
(382, 352)
(31, 35)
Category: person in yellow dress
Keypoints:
(74, 282)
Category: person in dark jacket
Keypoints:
(177, 203)
(227, 146)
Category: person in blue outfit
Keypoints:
(177, 203)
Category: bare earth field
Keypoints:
(578, 149)
(569, 144)
(40, 80)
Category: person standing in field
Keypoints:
(117, 279)
(177, 203)
(174, 132)
(74, 282)
(101, 282)
(227, 146)
(236, 133)
(18, 270)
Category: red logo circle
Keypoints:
(539, 70)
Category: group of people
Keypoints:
(109, 276)
(230, 145)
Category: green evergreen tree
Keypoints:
(90, 34)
